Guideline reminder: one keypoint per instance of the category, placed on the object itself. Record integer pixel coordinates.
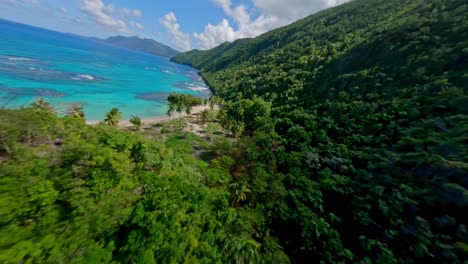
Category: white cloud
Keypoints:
(239, 13)
(125, 11)
(21, 3)
(214, 35)
(273, 14)
(136, 25)
(103, 14)
(36, 8)
(295, 9)
(137, 13)
(180, 40)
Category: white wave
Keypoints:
(197, 88)
(19, 59)
(166, 71)
(85, 77)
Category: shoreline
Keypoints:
(158, 119)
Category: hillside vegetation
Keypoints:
(141, 44)
(364, 141)
(74, 193)
(341, 138)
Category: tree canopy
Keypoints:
(346, 142)
(182, 103)
(367, 159)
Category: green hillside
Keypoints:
(140, 44)
(365, 145)
(74, 193)
(342, 138)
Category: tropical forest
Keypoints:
(340, 138)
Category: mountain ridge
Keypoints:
(141, 44)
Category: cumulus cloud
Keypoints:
(295, 9)
(214, 35)
(180, 40)
(238, 13)
(273, 14)
(103, 14)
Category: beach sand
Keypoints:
(158, 119)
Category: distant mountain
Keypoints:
(145, 45)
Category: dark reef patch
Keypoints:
(156, 96)
(30, 91)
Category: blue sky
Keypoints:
(182, 24)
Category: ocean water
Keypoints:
(66, 69)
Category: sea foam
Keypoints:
(196, 88)
(85, 77)
(11, 58)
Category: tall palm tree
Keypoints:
(113, 117)
(240, 193)
(76, 110)
(42, 104)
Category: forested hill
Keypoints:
(358, 115)
(342, 138)
(145, 45)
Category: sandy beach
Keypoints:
(158, 119)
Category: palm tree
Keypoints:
(135, 121)
(42, 104)
(240, 193)
(188, 109)
(113, 117)
(204, 116)
(243, 250)
(170, 109)
(76, 110)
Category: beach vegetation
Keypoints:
(113, 117)
(182, 103)
(43, 105)
(76, 111)
(136, 122)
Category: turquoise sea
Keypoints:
(66, 69)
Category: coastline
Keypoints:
(158, 119)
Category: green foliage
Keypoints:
(96, 194)
(350, 147)
(43, 105)
(246, 115)
(360, 154)
(76, 111)
(113, 117)
(145, 45)
(136, 122)
(215, 100)
(182, 102)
